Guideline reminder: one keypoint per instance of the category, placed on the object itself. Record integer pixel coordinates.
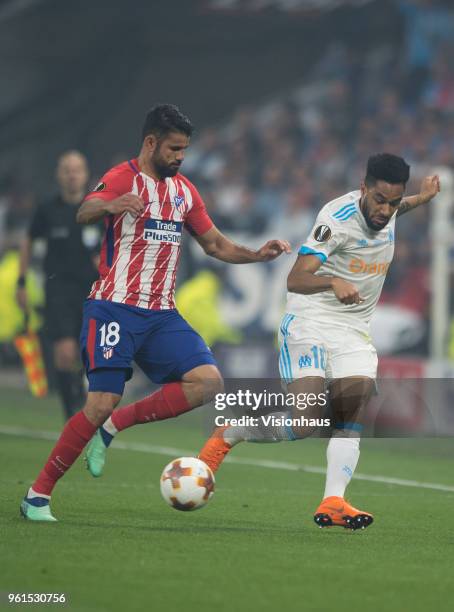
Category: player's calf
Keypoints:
(202, 384)
(100, 405)
(77, 432)
(198, 386)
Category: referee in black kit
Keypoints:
(69, 268)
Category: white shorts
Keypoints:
(319, 349)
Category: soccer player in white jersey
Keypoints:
(333, 289)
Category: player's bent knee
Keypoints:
(100, 405)
(205, 383)
(212, 387)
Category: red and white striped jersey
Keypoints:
(139, 256)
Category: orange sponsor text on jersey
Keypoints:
(359, 266)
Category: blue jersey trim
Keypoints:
(133, 167)
(304, 250)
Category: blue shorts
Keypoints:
(161, 342)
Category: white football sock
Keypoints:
(110, 427)
(342, 455)
(31, 494)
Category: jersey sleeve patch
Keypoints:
(322, 233)
(114, 183)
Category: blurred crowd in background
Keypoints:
(271, 166)
(278, 164)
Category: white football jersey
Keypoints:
(348, 249)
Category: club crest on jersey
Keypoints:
(305, 361)
(322, 233)
(178, 200)
(107, 352)
(162, 231)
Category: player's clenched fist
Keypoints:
(346, 292)
(128, 202)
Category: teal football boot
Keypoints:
(95, 457)
(36, 509)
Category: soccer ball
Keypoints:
(187, 483)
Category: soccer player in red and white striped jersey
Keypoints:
(130, 313)
(140, 254)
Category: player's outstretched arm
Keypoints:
(302, 279)
(430, 186)
(94, 209)
(215, 244)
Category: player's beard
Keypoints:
(162, 168)
(376, 227)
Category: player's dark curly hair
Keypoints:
(165, 118)
(387, 167)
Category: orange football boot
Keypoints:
(335, 511)
(215, 449)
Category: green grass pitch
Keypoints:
(254, 547)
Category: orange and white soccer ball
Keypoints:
(187, 483)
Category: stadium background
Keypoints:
(289, 97)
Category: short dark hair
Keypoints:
(165, 118)
(387, 167)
